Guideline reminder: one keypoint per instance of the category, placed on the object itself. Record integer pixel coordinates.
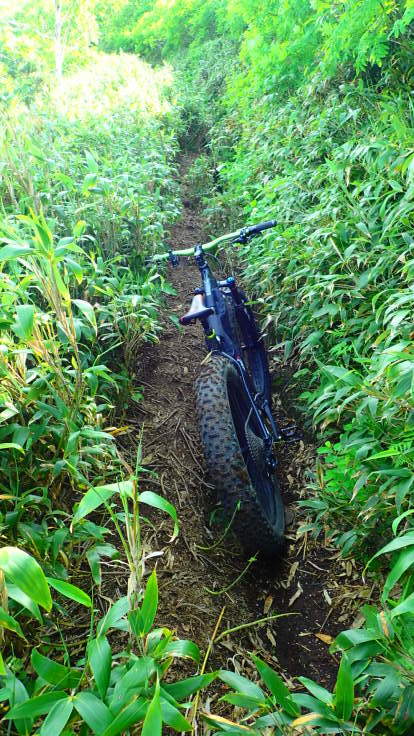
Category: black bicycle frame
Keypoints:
(219, 338)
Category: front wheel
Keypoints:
(235, 458)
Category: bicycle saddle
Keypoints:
(197, 310)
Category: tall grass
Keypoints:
(336, 281)
(87, 190)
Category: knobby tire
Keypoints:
(232, 467)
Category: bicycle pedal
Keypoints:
(291, 434)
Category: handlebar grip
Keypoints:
(253, 229)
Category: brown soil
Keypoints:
(195, 582)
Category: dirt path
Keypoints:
(190, 576)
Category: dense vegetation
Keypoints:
(303, 112)
(306, 116)
(87, 190)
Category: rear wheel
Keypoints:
(235, 458)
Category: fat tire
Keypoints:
(226, 466)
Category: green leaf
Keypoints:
(27, 574)
(184, 688)
(2, 667)
(79, 228)
(405, 540)
(91, 163)
(406, 606)
(17, 694)
(61, 286)
(37, 706)
(243, 701)
(100, 660)
(129, 684)
(53, 672)
(94, 554)
(113, 616)
(10, 623)
(344, 690)
(93, 711)
(153, 719)
(11, 446)
(317, 690)
(134, 712)
(353, 637)
(95, 497)
(241, 684)
(175, 320)
(57, 718)
(182, 648)
(277, 687)
(402, 516)
(271, 720)
(149, 604)
(75, 268)
(20, 597)
(23, 326)
(14, 250)
(89, 181)
(87, 311)
(94, 560)
(158, 502)
(70, 591)
(387, 688)
(406, 707)
(172, 717)
(404, 562)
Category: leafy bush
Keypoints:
(108, 163)
(104, 692)
(86, 182)
(336, 283)
(374, 689)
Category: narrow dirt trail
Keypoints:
(191, 578)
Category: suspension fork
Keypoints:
(230, 282)
(268, 437)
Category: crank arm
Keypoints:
(276, 431)
(289, 434)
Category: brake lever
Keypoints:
(244, 236)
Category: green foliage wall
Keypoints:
(336, 282)
(86, 190)
(282, 42)
(304, 113)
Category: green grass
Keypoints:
(87, 191)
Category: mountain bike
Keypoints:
(233, 399)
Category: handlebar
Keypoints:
(239, 236)
(249, 232)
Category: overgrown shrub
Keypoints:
(86, 185)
